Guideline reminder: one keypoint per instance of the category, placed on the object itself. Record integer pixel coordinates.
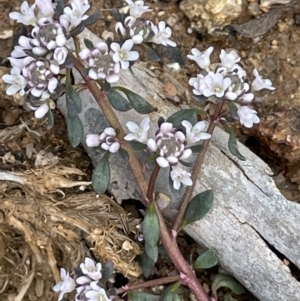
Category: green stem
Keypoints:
(150, 283)
(196, 169)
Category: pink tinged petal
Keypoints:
(162, 162)
(45, 7)
(39, 51)
(89, 263)
(137, 39)
(110, 132)
(248, 97)
(25, 42)
(152, 145)
(36, 92)
(84, 53)
(113, 78)
(92, 140)
(179, 135)
(130, 137)
(41, 111)
(52, 84)
(92, 295)
(166, 127)
(186, 180)
(105, 146)
(51, 45)
(124, 64)
(231, 95)
(226, 83)
(187, 124)
(172, 159)
(61, 40)
(186, 153)
(102, 47)
(93, 74)
(176, 183)
(114, 147)
(83, 280)
(145, 124)
(115, 47)
(127, 45)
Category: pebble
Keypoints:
(6, 34)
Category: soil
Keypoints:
(30, 253)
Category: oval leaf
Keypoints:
(147, 264)
(151, 226)
(138, 296)
(198, 207)
(151, 251)
(136, 145)
(171, 296)
(186, 114)
(196, 148)
(88, 43)
(232, 144)
(140, 104)
(101, 175)
(206, 260)
(75, 130)
(73, 101)
(91, 19)
(152, 55)
(50, 121)
(224, 280)
(228, 297)
(117, 101)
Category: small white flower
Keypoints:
(138, 132)
(179, 175)
(66, 286)
(26, 16)
(16, 80)
(259, 83)
(45, 8)
(96, 293)
(109, 141)
(229, 60)
(90, 269)
(92, 140)
(195, 133)
(162, 34)
(137, 8)
(198, 83)
(124, 54)
(76, 13)
(201, 58)
(247, 116)
(41, 111)
(60, 54)
(216, 84)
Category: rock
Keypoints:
(208, 15)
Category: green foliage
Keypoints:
(88, 43)
(206, 260)
(186, 114)
(224, 280)
(50, 121)
(198, 207)
(147, 264)
(171, 296)
(107, 271)
(136, 145)
(138, 296)
(138, 102)
(152, 55)
(232, 143)
(92, 18)
(151, 232)
(117, 101)
(101, 175)
(73, 101)
(170, 293)
(228, 297)
(75, 130)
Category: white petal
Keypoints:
(41, 111)
(162, 162)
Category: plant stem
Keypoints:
(152, 182)
(150, 283)
(196, 170)
(109, 114)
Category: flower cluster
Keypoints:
(140, 30)
(88, 285)
(38, 61)
(107, 139)
(169, 145)
(227, 81)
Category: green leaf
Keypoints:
(171, 296)
(92, 19)
(224, 280)
(75, 130)
(73, 101)
(50, 121)
(228, 297)
(186, 114)
(123, 154)
(233, 110)
(88, 43)
(151, 226)
(138, 102)
(147, 264)
(101, 175)
(198, 207)
(138, 296)
(232, 144)
(152, 55)
(206, 260)
(117, 101)
(151, 251)
(196, 148)
(136, 145)
(107, 271)
(59, 8)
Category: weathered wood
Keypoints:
(248, 212)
